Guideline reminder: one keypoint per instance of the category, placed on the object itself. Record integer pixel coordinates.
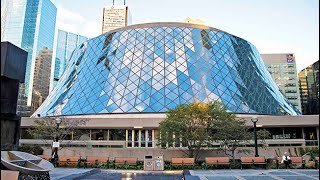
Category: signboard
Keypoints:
(55, 144)
(290, 58)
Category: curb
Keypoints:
(188, 176)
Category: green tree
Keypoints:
(193, 125)
(262, 135)
(230, 133)
(46, 128)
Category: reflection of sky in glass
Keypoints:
(156, 69)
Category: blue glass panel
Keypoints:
(158, 68)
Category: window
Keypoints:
(99, 134)
(81, 134)
(290, 91)
(149, 138)
(136, 138)
(143, 138)
(129, 138)
(293, 133)
(276, 133)
(117, 134)
(310, 133)
(290, 85)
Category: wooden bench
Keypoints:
(182, 161)
(253, 161)
(294, 160)
(46, 157)
(69, 160)
(7, 174)
(125, 161)
(95, 160)
(217, 161)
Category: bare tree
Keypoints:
(46, 129)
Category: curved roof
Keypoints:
(153, 67)
(164, 24)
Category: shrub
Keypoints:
(35, 150)
(103, 166)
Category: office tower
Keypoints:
(282, 68)
(193, 21)
(30, 25)
(115, 16)
(309, 89)
(41, 79)
(66, 42)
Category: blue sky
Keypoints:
(273, 26)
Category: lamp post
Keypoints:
(56, 157)
(255, 120)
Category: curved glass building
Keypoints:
(150, 68)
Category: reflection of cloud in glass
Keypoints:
(172, 65)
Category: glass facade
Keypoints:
(29, 24)
(154, 67)
(41, 78)
(309, 89)
(65, 44)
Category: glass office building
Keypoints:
(150, 68)
(66, 42)
(29, 24)
(41, 79)
(309, 89)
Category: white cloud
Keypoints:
(76, 23)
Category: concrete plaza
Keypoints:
(96, 174)
(290, 174)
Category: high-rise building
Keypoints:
(282, 68)
(66, 42)
(115, 16)
(309, 89)
(41, 79)
(30, 25)
(193, 21)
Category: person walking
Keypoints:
(286, 160)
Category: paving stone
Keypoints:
(201, 172)
(95, 174)
(189, 177)
(309, 173)
(282, 173)
(258, 177)
(221, 178)
(296, 178)
(135, 176)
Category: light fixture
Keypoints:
(58, 121)
(254, 119)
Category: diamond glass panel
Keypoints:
(160, 66)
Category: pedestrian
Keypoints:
(286, 160)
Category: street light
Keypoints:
(255, 120)
(56, 157)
